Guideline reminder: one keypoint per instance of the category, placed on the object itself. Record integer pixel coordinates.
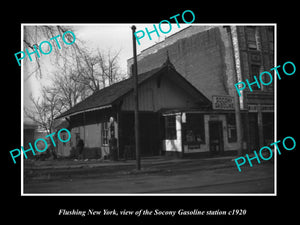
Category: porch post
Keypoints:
(260, 126)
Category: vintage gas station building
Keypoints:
(186, 100)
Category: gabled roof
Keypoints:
(107, 96)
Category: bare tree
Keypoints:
(99, 70)
(110, 67)
(45, 109)
(88, 73)
(79, 73)
(34, 35)
(68, 90)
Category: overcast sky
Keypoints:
(119, 37)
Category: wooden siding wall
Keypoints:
(153, 98)
(89, 128)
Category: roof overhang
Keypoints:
(84, 111)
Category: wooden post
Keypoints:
(260, 126)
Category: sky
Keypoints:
(119, 37)
(113, 37)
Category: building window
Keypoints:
(251, 37)
(194, 129)
(231, 128)
(104, 133)
(255, 71)
(170, 124)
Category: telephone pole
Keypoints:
(136, 105)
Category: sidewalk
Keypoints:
(65, 169)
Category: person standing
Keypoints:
(113, 147)
(80, 146)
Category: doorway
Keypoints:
(216, 145)
(149, 134)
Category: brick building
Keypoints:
(213, 59)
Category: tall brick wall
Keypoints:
(184, 33)
(264, 52)
(198, 56)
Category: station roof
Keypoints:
(107, 96)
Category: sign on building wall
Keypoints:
(222, 102)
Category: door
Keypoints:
(149, 134)
(216, 145)
(253, 131)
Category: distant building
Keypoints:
(63, 149)
(32, 132)
(29, 132)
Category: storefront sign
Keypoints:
(222, 102)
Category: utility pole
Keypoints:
(136, 101)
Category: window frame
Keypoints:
(104, 133)
(231, 128)
(251, 37)
(255, 73)
(170, 127)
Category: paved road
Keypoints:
(262, 185)
(192, 176)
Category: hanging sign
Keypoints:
(222, 102)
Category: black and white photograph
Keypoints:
(163, 113)
(182, 132)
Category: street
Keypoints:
(193, 176)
